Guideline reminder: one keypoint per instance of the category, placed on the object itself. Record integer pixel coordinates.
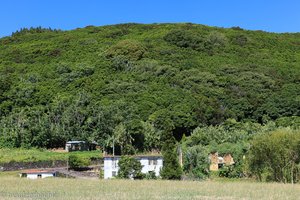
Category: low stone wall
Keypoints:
(14, 166)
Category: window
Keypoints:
(152, 162)
(114, 173)
(114, 164)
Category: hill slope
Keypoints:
(95, 82)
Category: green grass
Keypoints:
(34, 155)
(13, 188)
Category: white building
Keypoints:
(35, 174)
(149, 163)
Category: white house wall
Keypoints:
(35, 176)
(146, 167)
(111, 165)
(47, 175)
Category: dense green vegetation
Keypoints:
(130, 85)
(130, 168)
(171, 169)
(36, 155)
(268, 152)
(275, 156)
(77, 163)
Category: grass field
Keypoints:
(13, 188)
(33, 155)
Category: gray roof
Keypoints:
(136, 156)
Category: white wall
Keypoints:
(111, 165)
(35, 176)
(156, 168)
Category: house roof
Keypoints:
(35, 171)
(75, 142)
(136, 156)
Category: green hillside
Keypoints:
(133, 81)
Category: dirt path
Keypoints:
(77, 174)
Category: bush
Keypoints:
(230, 172)
(276, 154)
(216, 39)
(240, 40)
(150, 175)
(196, 162)
(185, 39)
(120, 63)
(131, 49)
(76, 162)
(130, 168)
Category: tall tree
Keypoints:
(171, 169)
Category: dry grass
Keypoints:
(14, 188)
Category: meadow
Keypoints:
(13, 188)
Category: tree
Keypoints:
(152, 137)
(123, 138)
(171, 169)
(184, 39)
(130, 168)
(196, 162)
(275, 156)
(131, 49)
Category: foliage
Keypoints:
(171, 169)
(276, 156)
(81, 84)
(36, 155)
(131, 49)
(152, 137)
(124, 139)
(130, 168)
(185, 39)
(76, 162)
(196, 162)
(150, 175)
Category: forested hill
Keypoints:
(92, 83)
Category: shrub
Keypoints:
(230, 172)
(150, 175)
(120, 63)
(196, 162)
(240, 40)
(237, 28)
(76, 162)
(131, 49)
(130, 168)
(184, 38)
(276, 154)
(216, 39)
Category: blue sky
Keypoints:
(267, 15)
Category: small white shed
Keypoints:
(150, 164)
(35, 174)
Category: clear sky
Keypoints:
(267, 15)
